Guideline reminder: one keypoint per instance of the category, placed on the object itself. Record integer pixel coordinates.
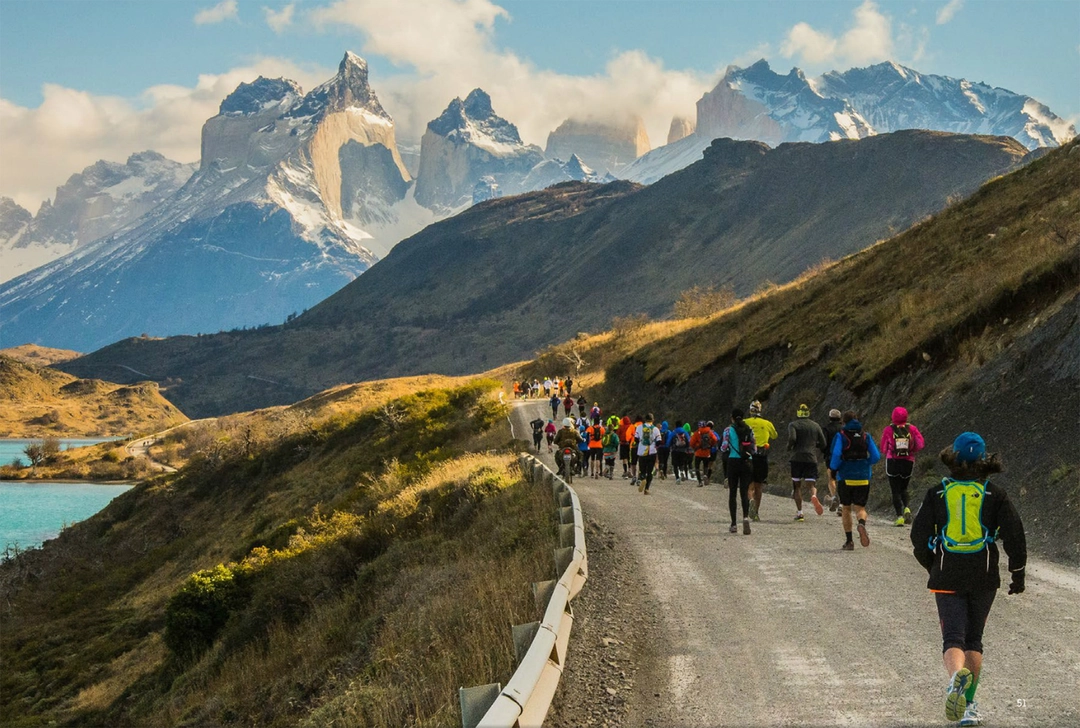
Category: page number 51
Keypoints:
(1021, 702)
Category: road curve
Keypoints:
(782, 628)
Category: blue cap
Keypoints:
(969, 447)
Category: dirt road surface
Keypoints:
(684, 624)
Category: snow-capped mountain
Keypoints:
(467, 143)
(102, 199)
(892, 97)
(757, 103)
(553, 171)
(289, 190)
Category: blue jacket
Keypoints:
(853, 471)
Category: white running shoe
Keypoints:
(971, 715)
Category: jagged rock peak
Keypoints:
(251, 98)
(349, 89)
(680, 128)
(578, 169)
(475, 115)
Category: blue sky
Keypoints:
(82, 80)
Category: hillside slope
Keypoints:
(350, 569)
(969, 320)
(510, 276)
(36, 401)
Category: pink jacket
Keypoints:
(888, 441)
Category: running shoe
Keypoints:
(864, 539)
(677, 480)
(955, 697)
(700, 484)
(646, 491)
(641, 486)
(900, 521)
(908, 518)
(753, 510)
(971, 715)
(799, 517)
(848, 546)
(834, 503)
(817, 504)
(734, 528)
(746, 526)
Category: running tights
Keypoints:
(739, 475)
(963, 617)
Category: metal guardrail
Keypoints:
(541, 646)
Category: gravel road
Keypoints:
(684, 624)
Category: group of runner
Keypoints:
(954, 534)
(560, 386)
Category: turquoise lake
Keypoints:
(31, 513)
(11, 450)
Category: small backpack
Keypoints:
(646, 435)
(854, 447)
(901, 441)
(964, 532)
(682, 439)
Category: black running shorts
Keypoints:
(624, 451)
(761, 469)
(852, 495)
(803, 471)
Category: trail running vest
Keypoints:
(964, 532)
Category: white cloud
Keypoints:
(225, 10)
(445, 48)
(71, 129)
(868, 40)
(279, 20)
(948, 12)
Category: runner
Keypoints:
(853, 455)
(805, 439)
(568, 405)
(547, 386)
(611, 449)
(702, 442)
(739, 447)
(567, 437)
(763, 432)
(831, 429)
(899, 443)
(625, 435)
(594, 413)
(549, 430)
(631, 436)
(554, 402)
(682, 454)
(537, 431)
(596, 449)
(582, 405)
(663, 450)
(647, 436)
(583, 447)
(956, 542)
(569, 386)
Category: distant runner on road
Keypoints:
(739, 447)
(805, 439)
(899, 443)
(955, 537)
(647, 436)
(537, 432)
(853, 455)
(764, 431)
(832, 429)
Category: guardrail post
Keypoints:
(563, 557)
(523, 637)
(556, 488)
(542, 591)
(476, 701)
(566, 514)
(566, 534)
(565, 499)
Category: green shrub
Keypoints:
(197, 612)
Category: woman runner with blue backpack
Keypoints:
(955, 538)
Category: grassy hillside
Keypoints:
(36, 401)
(323, 568)
(510, 276)
(41, 356)
(969, 320)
